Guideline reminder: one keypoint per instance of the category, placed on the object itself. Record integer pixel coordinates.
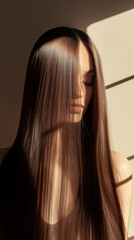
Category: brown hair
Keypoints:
(87, 205)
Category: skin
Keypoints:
(84, 92)
(122, 171)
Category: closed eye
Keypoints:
(88, 79)
(88, 84)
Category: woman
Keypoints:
(60, 179)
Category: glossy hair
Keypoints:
(85, 159)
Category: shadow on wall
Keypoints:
(21, 26)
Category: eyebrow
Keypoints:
(90, 71)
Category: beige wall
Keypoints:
(114, 38)
(22, 23)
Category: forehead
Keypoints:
(85, 59)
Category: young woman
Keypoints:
(60, 178)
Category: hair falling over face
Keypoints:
(57, 179)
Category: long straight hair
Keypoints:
(85, 203)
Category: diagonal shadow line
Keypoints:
(124, 181)
(119, 82)
(130, 157)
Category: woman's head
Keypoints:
(61, 72)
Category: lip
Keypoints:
(77, 105)
(77, 108)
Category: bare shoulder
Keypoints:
(122, 167)
(123, 179)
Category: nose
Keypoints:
(78, 91)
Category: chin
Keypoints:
(75, 118)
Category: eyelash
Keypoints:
(88, 84)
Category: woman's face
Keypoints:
(84, 92)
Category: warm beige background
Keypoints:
(114, 38)
(111, 25)
(21, 23)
